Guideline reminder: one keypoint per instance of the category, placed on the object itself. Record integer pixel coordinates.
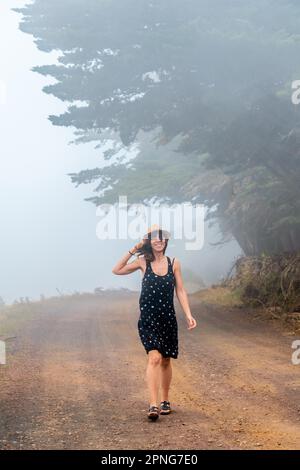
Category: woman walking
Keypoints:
(157, 324)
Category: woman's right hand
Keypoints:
(137, 247)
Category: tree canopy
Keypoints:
(202, 88)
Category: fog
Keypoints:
(48, 231)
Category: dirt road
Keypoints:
(75, 379)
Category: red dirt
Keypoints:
(75, 379)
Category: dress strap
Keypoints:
(173, 271)
(147, 265)
(169, 260)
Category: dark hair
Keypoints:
(146, 249)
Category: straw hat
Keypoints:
(154, 230)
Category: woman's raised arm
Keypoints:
(123, 267)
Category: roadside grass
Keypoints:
(218, 295)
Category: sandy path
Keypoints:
(75, 379)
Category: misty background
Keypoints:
(48, 230)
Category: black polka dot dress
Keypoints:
(157, 324)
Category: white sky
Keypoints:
(48, 232)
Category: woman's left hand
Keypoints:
(191, 322)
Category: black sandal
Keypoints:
(165, 408)
(153, 412)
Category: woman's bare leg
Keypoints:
(153, 375)
(166, 377)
